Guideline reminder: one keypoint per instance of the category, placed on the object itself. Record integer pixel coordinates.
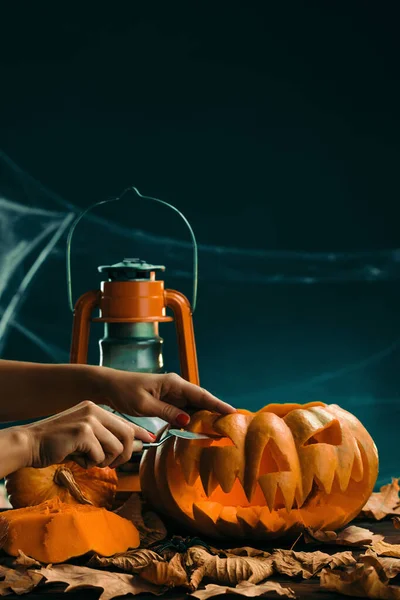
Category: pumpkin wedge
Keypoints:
(53, 532)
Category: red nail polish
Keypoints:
(152, 435)
(182, 420)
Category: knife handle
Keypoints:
(138, 446)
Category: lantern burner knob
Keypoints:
(130, 269)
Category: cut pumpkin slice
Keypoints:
(53, 532)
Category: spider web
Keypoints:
(33, 225)
(35, 323)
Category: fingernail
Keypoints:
(182, 420)
(153, 437)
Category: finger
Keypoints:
(136, 446)
(88, 453)
(177, 388)
(113, 446)
(164, 410)
(118, 425)
(126, 433)
(143, 434)
(126, 437)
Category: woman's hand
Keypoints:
(39, 390)
(86, 433)
(164, 396)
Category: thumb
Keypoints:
(167, 412)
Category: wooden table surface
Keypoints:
(304, 590)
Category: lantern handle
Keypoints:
(131, 189)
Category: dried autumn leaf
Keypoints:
(244, 589)
(133, 561)
(112, 584)
(362, 581)
(382, 548)
(149, 525)
(357, 536)
(245, 551)
(26, 561)
(170, 574)
(307, 564)
(197, 556)
(230, 570)
(233, 570)
(315, 535)
(196, 577)
(388, 566)
(383, 503)
(18, 581)
(342, 559)
(351, 536)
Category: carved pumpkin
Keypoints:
(69, 482)
(53, 532)
(270, 473)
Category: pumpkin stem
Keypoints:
(64, 478)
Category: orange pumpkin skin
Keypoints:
(53, 532)
(271, 473)
(68, 481)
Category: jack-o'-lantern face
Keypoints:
(266, 473)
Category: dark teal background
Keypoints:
(272, 126)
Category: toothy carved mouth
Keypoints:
(273, 508)
(274, 490)
(276, 485)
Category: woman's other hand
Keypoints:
(152, 395)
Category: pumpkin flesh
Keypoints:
(271, 472)
(53, 532)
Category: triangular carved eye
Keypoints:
(331, 434)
